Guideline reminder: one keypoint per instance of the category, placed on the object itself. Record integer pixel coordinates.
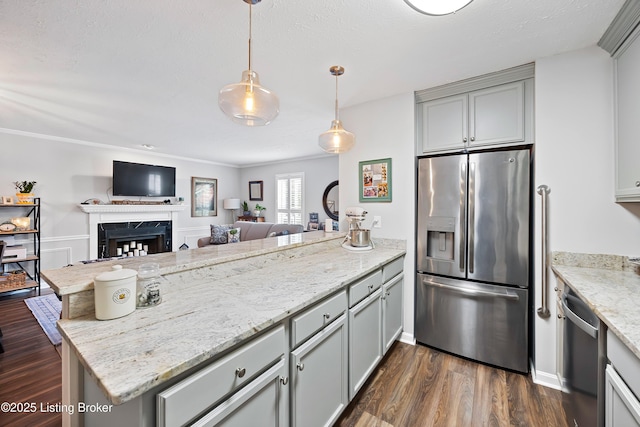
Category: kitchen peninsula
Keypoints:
(220, 304)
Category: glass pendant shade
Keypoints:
(247, 102)
(437, 7)
(336, 140)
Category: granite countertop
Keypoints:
(69, 280)
(202, 316)
(610, 285)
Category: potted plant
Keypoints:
(24, 194)
(258, 210)
(245, 209)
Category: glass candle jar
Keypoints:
(149, 285)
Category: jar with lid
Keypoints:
(149, 285)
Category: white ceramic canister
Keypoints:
(115, 293)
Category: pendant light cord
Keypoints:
(336, 97)
(250, 6)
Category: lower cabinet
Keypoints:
(319, 377)
(392, 297)
(262, 399)
(365, 336)
(622, 385)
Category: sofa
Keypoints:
(220, 234)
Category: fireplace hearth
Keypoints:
(120, 238)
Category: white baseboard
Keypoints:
(545, 379)
(407, 338)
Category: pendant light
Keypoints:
(336, 140)
(248, 102)
(437, 7)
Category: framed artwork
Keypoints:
(375, 180)
(255, 190)
(7, 200)
(204, 196)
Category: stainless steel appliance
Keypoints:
(357, 238)
(473, 255)
(580, 364)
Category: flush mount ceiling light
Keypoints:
(437, 7)
(247, 102)
(336, 140)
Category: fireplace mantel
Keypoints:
(99, 214)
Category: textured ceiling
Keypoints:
(127, 73)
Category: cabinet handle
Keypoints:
(473, 138)
(560, 316)
(284, 381)
(637, 183)
(326, 316)
(464, 139)
(240, 372)
(300, 367)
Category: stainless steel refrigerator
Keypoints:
(473, 255)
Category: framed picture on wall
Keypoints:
(255, 190)
(375, 180)
(204, 196)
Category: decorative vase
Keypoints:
(246, 213)
(257, 212)
(25, 198)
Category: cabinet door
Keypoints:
(628, 105)
(443, 123)
(319, 377)
(392, 292)
(365, 337)
(622, 408)
(262, 399)
(496, 115)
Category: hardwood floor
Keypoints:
(419, 386)
(413, 386)
(30, 368)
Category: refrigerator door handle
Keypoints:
(472, 214)
(463, 192)
(472, 292)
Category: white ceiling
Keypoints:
(126, 73)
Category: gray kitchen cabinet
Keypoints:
(319, 391)
(627, 172)
(365, 338)
(622, 385)
(392, 296)
(262, 399)
(491, 116)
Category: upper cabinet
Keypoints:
(498, 111)
(621, 41)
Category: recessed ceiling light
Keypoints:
(148, 146)
(437, 7)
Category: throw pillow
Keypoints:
(233, 235)
(219, 234)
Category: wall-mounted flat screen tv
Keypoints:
(136, 179)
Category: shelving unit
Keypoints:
(31, 263)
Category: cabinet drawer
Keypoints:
(392, 269)
(315, 318)
(624, 361)
(361, 289)
(180, 403)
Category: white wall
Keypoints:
(318, 173)
(383, 129)
(575, 158)
(69, 173)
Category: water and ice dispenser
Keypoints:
(440, 237)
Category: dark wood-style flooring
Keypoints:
(413, 386)
(419, 386)
(30, 368)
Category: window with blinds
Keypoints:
(290, 198)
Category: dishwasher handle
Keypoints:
(577, 320)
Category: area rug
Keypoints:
(46, 309)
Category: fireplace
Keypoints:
(133, 238)
(134, 214)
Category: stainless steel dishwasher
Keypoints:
(581, 362)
